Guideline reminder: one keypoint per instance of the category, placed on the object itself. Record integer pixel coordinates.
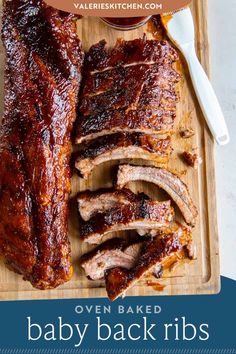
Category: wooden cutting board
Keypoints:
(197, 277)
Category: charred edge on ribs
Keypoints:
(122, 146)
(143, 214)
(113, 79)
(125, 53)
(146, 121)
(91, 203)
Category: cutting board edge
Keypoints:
(212, 287)
(204, 56)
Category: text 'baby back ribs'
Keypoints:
(130, 88)
(42, 79)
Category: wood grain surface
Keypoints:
(196, 277)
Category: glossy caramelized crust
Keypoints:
(125, 53)
(128, 88)
(147, 121)
(150, 87)
(154, 252)
(113, 78)
(141, 214)
(122, 146)
(42, 77)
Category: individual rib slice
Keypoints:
(164, 179)
(112, 253)
(142, 214)
(146, 121)
(154, 253)
(96, 83)
(42, 79)
(122, 146)
(91, 203)
(125, 53)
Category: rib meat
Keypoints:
(112, 253)
(91, 203)
(122, 253)
(127, 53)
(128, 88)
(42, 78)
(122, 146)
(137, 86)
(146, 121)
(142, 214)
(112, 79)
(154, 253)
(164, 179)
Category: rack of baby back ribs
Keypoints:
(127, 110)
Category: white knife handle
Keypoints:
(207, 97)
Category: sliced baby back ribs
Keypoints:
(141, 214)
(144, 86)
(122, 146)
(91, 203)
(42, 79)
(164, 179)
(111, 254)
(122, 253)
(154, 253)
(128, 88)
